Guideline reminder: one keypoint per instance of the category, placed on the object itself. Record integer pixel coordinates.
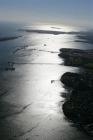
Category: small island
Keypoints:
(9, 38)
(78, 105)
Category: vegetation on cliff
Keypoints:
(79, 106)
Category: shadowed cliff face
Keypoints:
(79, 104)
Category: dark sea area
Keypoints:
(31, 94)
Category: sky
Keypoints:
(70, 12)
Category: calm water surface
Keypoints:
(30, 96)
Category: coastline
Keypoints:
(31, 92)
(78, 105)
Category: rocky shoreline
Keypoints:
(76, 57)
(78, 106)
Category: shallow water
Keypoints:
(31, 101)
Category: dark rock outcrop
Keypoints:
(78, 107)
